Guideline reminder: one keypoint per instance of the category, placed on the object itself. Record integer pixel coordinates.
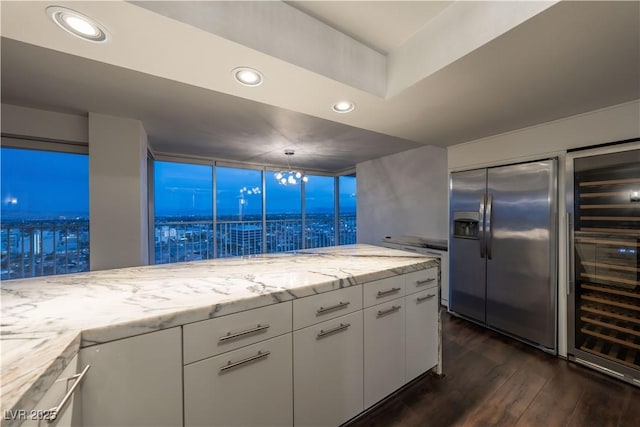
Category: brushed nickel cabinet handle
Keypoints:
(424, 298)
(232, 365)
(388, 292)
(341, 327)
(255, 330)
(424, 282)
(57, 409)
(388, 311)
(338, 306)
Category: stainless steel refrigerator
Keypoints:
(503, 249)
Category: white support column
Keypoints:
(118, 192)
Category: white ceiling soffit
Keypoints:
(284, 32)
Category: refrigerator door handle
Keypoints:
(570, 259)
(481, 212)
(489, 230)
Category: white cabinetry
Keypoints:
(384, 339)
(135, 381)
(251, 386)
(422, 322)
(327, 371)
(332, 355)
(421, 332)
(69, 414)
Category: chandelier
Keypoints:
(290, 177)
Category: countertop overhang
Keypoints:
(46, 320)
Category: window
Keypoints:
(238, 211)
(45, 213)
(320, 212)
(183, 201)
(253, 213)
(284, 215)
(347, 209)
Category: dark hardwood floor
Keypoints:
(492, 380)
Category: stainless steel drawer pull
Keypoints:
(231, 365)
(53, 412)
(424, 298)
(389, 292)
(255, 330)
(424, 282)
(338, 306)
(342, 327)
(388, 311)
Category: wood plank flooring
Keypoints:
(492, 380)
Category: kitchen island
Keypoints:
(46, 321)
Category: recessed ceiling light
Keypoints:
(77, 24)
(247, 76)
(343, 107)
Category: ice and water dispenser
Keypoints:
(466, 225)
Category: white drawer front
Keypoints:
(214, 336)
(383, 290)
(329, 305)
(421, 280)
(251, 386)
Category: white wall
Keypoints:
(117, 192)
(615, 123)
(404, 193)
(48, 125)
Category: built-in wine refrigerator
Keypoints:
(603, 215)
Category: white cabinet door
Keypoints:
(327, 372)
(384, 350)
(135, 381)
(422, 332)
(251, 386)
(69, 415)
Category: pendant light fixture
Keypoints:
(290, 176)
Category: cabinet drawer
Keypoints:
(383, 290)
(329, 305)
(214, 336)
(420, 280)
(251, 386)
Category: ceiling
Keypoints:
(382, 25)
(437, 73)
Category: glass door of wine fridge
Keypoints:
(603, 201)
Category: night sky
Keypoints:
(38, 184)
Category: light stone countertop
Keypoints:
(46, 320)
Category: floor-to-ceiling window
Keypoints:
(319, 211)
(283, 215)
(183, 201)
(238, 211)
(254, 213)
(45, 211)
(347, 208)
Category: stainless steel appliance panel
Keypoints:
(467, 255)
(521, 250)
